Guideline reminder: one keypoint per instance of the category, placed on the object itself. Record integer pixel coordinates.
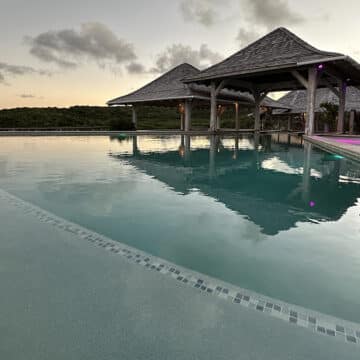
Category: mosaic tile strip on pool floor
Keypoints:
(295, 315)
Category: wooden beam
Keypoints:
(188, 108)
(330, 70)
(220, 87)
(331, 87)
(241, 84)
(300, 79)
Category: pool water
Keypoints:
(267, 213)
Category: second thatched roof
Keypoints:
(169, 89)
(297, 100)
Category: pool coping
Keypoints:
(135, 132)
(314, 321)
(327, 144)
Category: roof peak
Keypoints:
(279, 48)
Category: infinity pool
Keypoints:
(265, 213)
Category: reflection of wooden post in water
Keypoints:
(135, 149)
(187, 147)
(256, 141)
(307, 172)
(212, 155)
(236, 151)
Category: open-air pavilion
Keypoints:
(169, 90)
(281, 61)
(297, 100)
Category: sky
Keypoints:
(85, 52)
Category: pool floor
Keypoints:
(64, 298)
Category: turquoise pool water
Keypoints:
(267, 213)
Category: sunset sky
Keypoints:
(63, 53)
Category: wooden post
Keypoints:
(182, 117)
(134, 117)
(352, 122)
(342, 103)
(188, 106)
(237, 122)
(311, 99)
(289, 123)
(213, 107)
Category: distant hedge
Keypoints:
(111, 118)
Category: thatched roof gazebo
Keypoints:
(170, 90)
(281, 61)
(296, 102)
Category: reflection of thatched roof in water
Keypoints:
(297, 100)
(169, 89)
(271, 199)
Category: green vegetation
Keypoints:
(112, 118)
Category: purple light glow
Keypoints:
(320, 67)
(312, 204)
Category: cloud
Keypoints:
(200, 11)
(8, 70)
(245, 37)
(263, 16)
(178, 53)
(135, 68)
(68, 48)
(27, 96)
(271, 14)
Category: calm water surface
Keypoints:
(267, 214)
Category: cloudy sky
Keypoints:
(62, 53)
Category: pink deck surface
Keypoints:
(351, 141)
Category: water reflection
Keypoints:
(275, 181)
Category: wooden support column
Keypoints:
(258, 97)
(237, 122)
(213, 107)
(342, 103)
(352, 122)
(181, 109)
(311, 98)
(257, 112)
(214, 92)
(188, 108)
(134, 117)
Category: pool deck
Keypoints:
(348, 146)
(64, 298)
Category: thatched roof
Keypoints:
(297, 100)
(168, 89)
(275, 54)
